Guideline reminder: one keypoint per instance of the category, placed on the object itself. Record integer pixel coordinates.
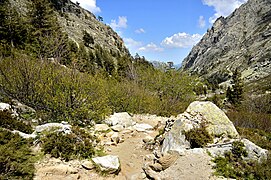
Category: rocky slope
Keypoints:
(241, 40)
(74, 20)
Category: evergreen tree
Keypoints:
(48, 40)
(13, 31)
(235, 94)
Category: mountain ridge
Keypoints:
(242, 40)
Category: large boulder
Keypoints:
(122, 118)
(109, 163)
(175, 139)
(216, 120)
(198, 114)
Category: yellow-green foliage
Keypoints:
(16, 159)
(64, 93)
(61, 92)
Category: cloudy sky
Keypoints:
(163, 30)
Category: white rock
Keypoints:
(101, 127)
(109, 163)
(60, 127)
(5, 106)
(122, 118)
(142, 127)
(24, 135)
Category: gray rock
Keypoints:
(254, 151)
(123, 119)
(175, 140)
(109, 163)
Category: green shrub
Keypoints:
(232, 165)
(198, 137)
(8, 122)
(259, 137)
(78, 144)
(16, 159)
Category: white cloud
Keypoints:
(89, 5)
(223, 7)
(151, 48)
(140, 31)
(181, 40)
(131, 43)
(201, 22)
(121, 23)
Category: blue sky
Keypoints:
(161, 30)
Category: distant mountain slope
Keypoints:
(241, 40)
(74, 20)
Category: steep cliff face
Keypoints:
(241, 40)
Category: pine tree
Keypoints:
(235, 94)
(48, 40)
(13, 31)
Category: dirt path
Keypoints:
(191, 166)
(131, 154)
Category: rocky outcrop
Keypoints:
(241, 40)
(198, 114)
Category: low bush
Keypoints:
(78, 144)
(11, 123)
(247, 119)
(16, 159)
(198, 137)
(232, 165)
(259, 137)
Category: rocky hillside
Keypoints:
(74, 20)
(241, 40)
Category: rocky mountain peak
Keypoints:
(242, 40)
